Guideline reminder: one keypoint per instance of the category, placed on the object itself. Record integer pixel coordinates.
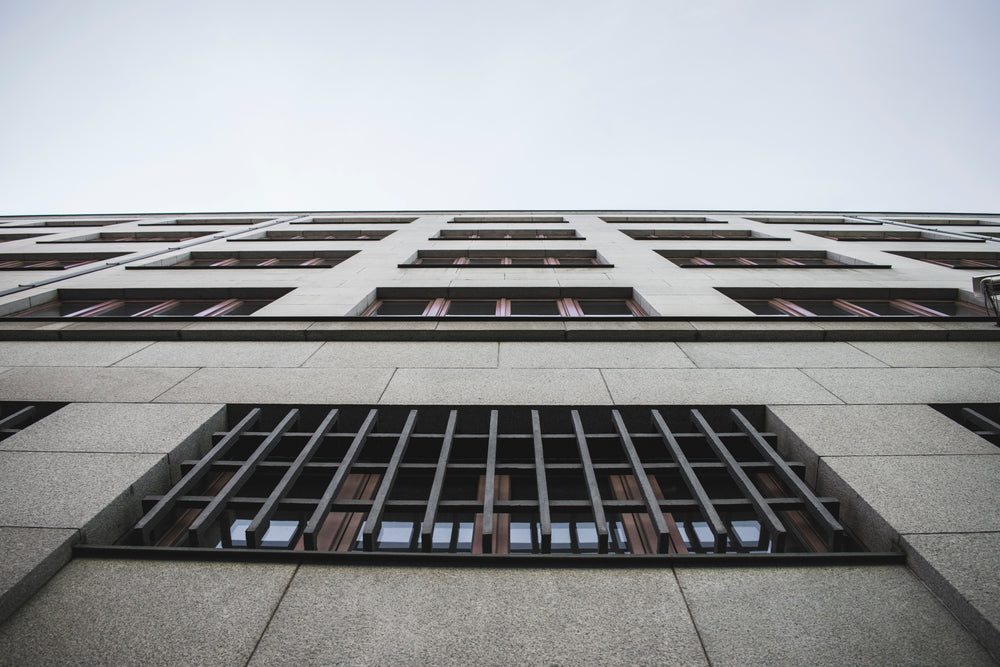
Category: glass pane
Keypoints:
(760, 307)
(485, 260)
(402, 307)
(576, 261)
(472, 308)
(396, 535)
(534, 307)
(605, 307)
(521, 534)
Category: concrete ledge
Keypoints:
(29, 557)
(529, 330)
(961, 569)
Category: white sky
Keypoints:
(206, 105)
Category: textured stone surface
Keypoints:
(131, 612)
(97, 493)
(592, 355)
(710, 385)
(914, 494)
(28, 558)
(823, 616)
(909, 385)
(809, 432)
(955, 354)
(182, 431)
(280, 385)
(123, 385)
(962, 570)
(388, 354)
(480, 616)
(234, 354)
(66, 353)
(777, 355)
(505, 386)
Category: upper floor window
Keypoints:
(206, 221)
(768, 259)
(321, 235)
(506, 219)
(938, 222)
(51, 262)
(891, 235)
(18, 237)
(657, 219)
(380, 220)
(133, 237)
(505, 234)
(862, 307)
(506, 307)
(67, 222)
(697, 235)
(958, 260)
(288, 259)
(503, 259)
(140, 303)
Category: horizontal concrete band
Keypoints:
(534, 330)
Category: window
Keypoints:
(697, 235)
(983, 419)
(594, 480)
(68, 222)
(51, 262)
(287, 259)
(505, 259)
(207, 221)
(804, 220)
(17, 237)
(16, 416)
(656, 219)
(133, 237)
(894, 235)
(769, 259)
(861, 307)
(506, 307)
(355, 221)
(154, 303)
(975, 261)
(505, 234)
(507, 219)
(938, 222)
(321, 235)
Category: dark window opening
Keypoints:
(983, 419)
(861, 307)
(506, 307)
(152, 307)
(15, 416)
(469, 480)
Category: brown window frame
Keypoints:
(568, 306)
(798, 307)
(159, 308)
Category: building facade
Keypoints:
(654, 437)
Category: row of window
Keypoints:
(506, 307)
(319, 259)
(509, 235)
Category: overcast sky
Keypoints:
(135, 106)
